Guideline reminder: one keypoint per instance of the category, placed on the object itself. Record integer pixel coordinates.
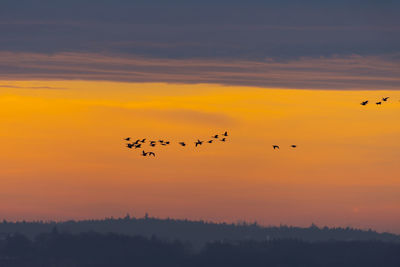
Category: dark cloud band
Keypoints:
(285, 43)
(335, 73)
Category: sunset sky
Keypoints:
(77, 77)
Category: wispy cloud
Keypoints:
(182, 116)
(31, 87)
(339, 73)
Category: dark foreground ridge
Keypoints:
(115, 250)
(198, 233)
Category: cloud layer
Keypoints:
(268, 34)
(340, 73)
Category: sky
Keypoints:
(76, 77)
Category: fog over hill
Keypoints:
(196, 232)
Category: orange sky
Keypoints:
(63, 155)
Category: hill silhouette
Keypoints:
(198, 233)
(99, 250)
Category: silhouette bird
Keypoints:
(167, 142)
(225, 134)
(364, 102)
(136, 142)
(293, 146)
(223, 139)
(210, 141)
(152, 154)
(215, 136)
(138, 146)
(161, 141)
(275, 147)
(163, 144)
(127, 139)
(182, 143)
(385, 98)
(129, 146)
(198, 142)
(143, 140)
(144, 154)
(152, 144)
(379, 103)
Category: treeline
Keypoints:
(196, 232)
(95, 249)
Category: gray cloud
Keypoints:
(341, 73)
(251, 32)
(211, 29)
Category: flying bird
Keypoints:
(136, 142)
(210, 141)
(152, 154)
(379, 103)
(152, 144)
(167, 142)
(385, 98)
(223, 139)
(129, 146)
(138, 146)
(275, 147)
(143, 140)
(225, 134)
(144, 154)
(215, 136)
(127, 139)
(293, 146)
(364, 102)
(198, 142)
(182, 143)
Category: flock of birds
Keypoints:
(139, 143)
(384, 99)
(363, 103)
